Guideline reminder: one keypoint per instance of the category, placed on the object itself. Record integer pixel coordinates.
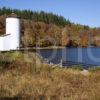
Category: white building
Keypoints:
(11, 40)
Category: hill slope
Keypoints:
(47, 29)
(23, 75)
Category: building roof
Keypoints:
(13, 15)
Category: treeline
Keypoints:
(47, 29)
(37, 16)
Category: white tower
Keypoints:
(11, 40)
(13, 30)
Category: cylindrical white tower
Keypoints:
(13, 30)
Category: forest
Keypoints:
(46, 29)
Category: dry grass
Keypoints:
(25, 76)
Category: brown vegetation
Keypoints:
(26, 77)
(43, 34)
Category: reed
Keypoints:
(26, 77)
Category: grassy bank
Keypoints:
(23, 75)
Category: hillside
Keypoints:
(47, 29)
(23, 75)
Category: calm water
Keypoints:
(71, 56)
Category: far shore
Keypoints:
(40, 48)
(54, 47)
(50, 47)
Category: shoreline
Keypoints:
(40, 48)
(51, 47)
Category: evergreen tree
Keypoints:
(37, 16)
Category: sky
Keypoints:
(85, 12)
